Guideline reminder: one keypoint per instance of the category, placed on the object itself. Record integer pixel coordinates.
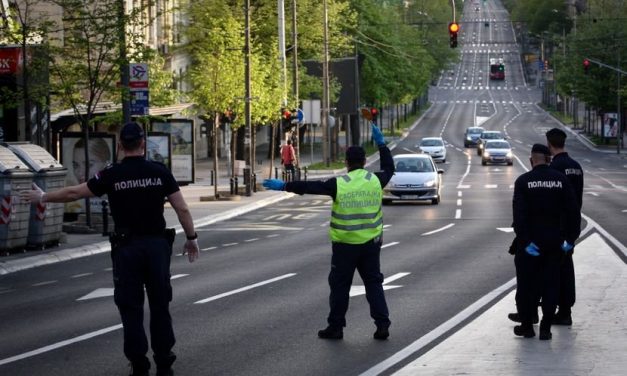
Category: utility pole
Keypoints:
(124, 76)
(325, 89)
(247, 99)
(295, 74)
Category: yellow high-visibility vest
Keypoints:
(356, 216)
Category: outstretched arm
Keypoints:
(66, 194)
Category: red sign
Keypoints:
(10, 60)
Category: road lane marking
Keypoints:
(58, 345)
(463, 186)
(458, 214)
(491, 186)
(592, 194)
(97, 293)
(505, 229)
(272, 236)
(81, 275)
(245, 288)
(357, 290)
(459, 194)
(177, 276)
(43, 283)
(389, 245)
(459, 202)
(229, 244)
(440, 229)
(204, 249)
(251, 240)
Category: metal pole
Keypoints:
(325, 88)
(295, 73)
(124, 76)
(619, 133)
(247, 84)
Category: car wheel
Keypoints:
(484, 163)
(386, 202)
(444, 160)
(466, 145)
(478, 151)
(510, 163)
(435, 201)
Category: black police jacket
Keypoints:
(563, 163)
(545, 210)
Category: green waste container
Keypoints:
(46, 220)
(15, 176)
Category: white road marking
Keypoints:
(97, 293)
(463, 186)
(43, 283)
(80, 275)
(107, 269)
(520, 142)
(624, 211)
(411, 151)
(458, 214)
(459, 202)
(591, 193)
(208, 248)
(505, 229)
(245, 288)
(57, 345)
(386, 226)
(251, 240)
(229, 244)
(177, 276)
(440, 229)
(491, 186)
(361, 290)
(272, 236)
(389, 245)
(459, 194)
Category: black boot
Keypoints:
(545, 331)
(331, 333)
(562, 318)
(515, 317)
(382, 333)
(524, 331)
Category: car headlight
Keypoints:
(429, 183)
(468, 138)
(486, 154)
(509, 154)
(480, 146)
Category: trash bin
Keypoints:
(14, 177)
(46, 220)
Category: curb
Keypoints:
(104, 246)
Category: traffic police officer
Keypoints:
(355, 231)
(562, 162)
(141, 246)
(546, 223)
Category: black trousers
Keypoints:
(365, 258)
(537, 278)
(567, 285)
(144, 262)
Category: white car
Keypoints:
(434, 146)
(416, 179)
(497, 151)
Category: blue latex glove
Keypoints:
(532, 249)
(274, 184)
(377, 136)
(567, 247)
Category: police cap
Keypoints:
(355, 154)
(131, 132)
(540, 149)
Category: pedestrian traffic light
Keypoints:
(501, 68)
(375, 114)
(453, 28)
(586, 66)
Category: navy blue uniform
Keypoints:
(545, 213)
(563, 163)
(348, 257)
(141, 254)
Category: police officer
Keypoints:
(562, 162)
(546, 223)
(141, 247)
(355, 231)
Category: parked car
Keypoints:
(488, 135)
(434, 146)
(471, 136)
(416, 179)
(497, 151)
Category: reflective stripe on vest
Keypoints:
(357, 217)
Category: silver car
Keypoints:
(416, 178)
(497, 151)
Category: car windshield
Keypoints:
(491, 135)
(430, 143)
(497, 145)
(413, 165)
(475, 130)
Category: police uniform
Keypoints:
(563, 163)
(545, 213)
(355, 231)
(141, 253)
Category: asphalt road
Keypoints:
(254, 301)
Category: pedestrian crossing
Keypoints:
(481, 102)
(447, 86)
(589, 189)
(466, 50)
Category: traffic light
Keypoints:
(453, 28)
(586, 66)
(501, 68)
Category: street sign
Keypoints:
(138, 76)
(139, 102)
(300, 115)
(311, 108)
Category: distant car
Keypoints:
(471, 136)
(497, 151)
(477, 9)
(416, 178)
(488, 135)
(434, 146)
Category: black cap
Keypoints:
(131, 132)
(540, 149)
(355, 154)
